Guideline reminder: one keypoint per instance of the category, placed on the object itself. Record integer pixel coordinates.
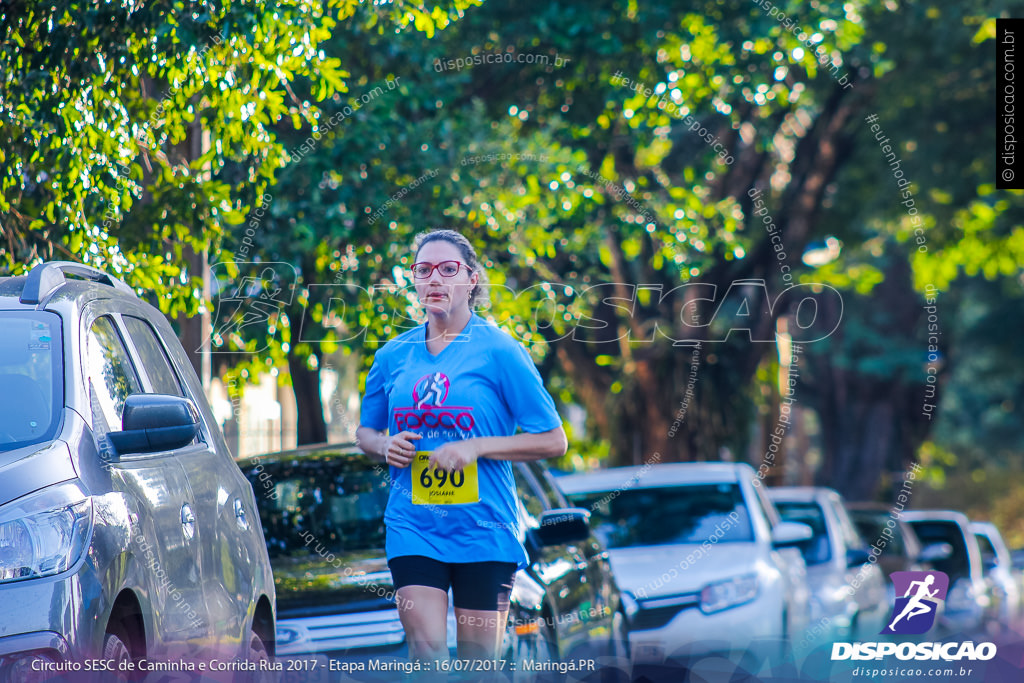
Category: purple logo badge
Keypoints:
(917, 600)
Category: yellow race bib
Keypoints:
(431, 486)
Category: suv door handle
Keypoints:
(188, 521)
(240, 518)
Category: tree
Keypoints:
(138, 138)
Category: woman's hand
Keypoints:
(399, 449)
(454, 455)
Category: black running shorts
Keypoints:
(475, 585)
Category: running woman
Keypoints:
(442, 406)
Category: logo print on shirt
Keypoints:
(914, 612)
(431, 390)
(428, 410)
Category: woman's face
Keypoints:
(437, 293)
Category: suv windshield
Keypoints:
(339, 499)
(31, 378)
(669, 515)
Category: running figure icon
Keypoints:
(435, 390)
(915, 611)
(915, 607)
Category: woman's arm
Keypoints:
(396, 449)
(371, 441)
(455, 455)
(523, 446)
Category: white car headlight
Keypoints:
(721, 595)
(44, 533)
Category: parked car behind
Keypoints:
(899, 545)
(837, 562)
(322, 509)
(968, 604)
(700, 554)
(127, 530)
(1002, 576)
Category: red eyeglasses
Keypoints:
(423, 270)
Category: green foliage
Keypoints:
(337, 131)
(129, 134)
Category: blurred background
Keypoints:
(258, 172)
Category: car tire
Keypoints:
(115, 649)
(256, 654)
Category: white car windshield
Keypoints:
(668, 515)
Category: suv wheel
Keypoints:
(115, 649)
(258, 655)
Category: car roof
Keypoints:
(937, 516)
(987, 528)
(649, 476)
(801, 494)
(49, 282)
(862, 506)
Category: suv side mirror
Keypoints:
(790, 534)
(155, 422)
(564, 525)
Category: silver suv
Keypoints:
(129, 539)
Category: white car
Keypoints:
(999, 571)
(704, 562)
(847, 593)
(968, 606)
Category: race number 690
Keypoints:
(435, 486)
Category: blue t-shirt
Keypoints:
(482, 384)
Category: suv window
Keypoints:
(153, 357)
(531, 501)
(542, 476)
(110, 371)
(31, 377)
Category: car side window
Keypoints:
(153, 357)
(531, 501)
(543, 478)
(110, 371)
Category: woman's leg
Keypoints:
(424, 614)
(480, 632)
(421, 594)
(481, 593)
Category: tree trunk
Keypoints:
(869, 401)
(309, 408)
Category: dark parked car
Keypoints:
(899, 545)
(126, 528)
(322, 509)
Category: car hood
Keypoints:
(28, 469)
(685, 568)
(308, 584)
